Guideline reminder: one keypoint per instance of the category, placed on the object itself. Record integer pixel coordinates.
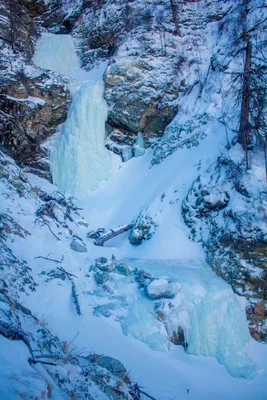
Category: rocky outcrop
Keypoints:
(148, 69)
(33, 102)
(143, 228)
(146, 77)
(32, 107)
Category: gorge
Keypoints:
(124, 116)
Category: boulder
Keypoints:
(162, 288)
(101, 260)
(108, 267)
(101, 278)
(103, 265)
(143, 229)
(136, 237)
(78, 245)
(122, 269)
(141, 276)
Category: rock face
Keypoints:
(147, 71)
(145, 78)
(33, 102)
(143, 228)
(234, 238)
(32, 108)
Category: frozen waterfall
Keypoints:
(79, 159)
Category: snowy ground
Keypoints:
(221, 362)
(218, 322)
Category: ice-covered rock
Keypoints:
(162, 288)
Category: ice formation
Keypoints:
(209, 312)
(139, 148)
(79, 159)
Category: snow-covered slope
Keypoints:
(211, 315)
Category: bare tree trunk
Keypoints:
(265, 156)
(174, 16)
(243, 136)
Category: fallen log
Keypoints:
(110, 234)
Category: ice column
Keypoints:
(79, 159)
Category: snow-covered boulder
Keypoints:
(78, 245)
(162, 288)
(101, 278)
(122, 269)
(104, 265)
(143, 228)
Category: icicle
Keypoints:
(139, 147)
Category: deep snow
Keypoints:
(221, 354)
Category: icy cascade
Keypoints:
(205, 307)
(79, 159)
